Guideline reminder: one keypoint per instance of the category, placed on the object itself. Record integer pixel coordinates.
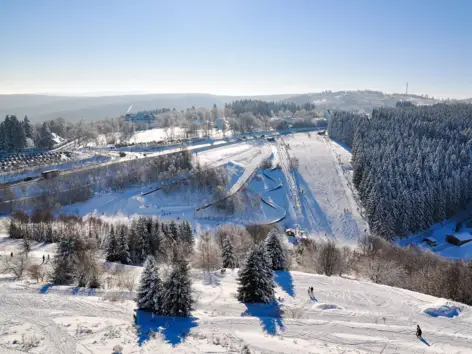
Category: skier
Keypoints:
(48, 257)
(418, 331)
(311, 290)
(11, 255)
(44, 258)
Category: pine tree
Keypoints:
(275, 251)
(45, 139)
(63, 266)
(177, 298)
(112, 246)
(123, 247)
(229, 259)
(143, 237)
(256, 279)
(186, 232)
(150, 288)
(27, 128)
(18, 136)
(174, 231)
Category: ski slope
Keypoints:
(346, 316)
(328, 206)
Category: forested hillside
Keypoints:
(412, 165)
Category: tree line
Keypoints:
(16, 135)
(240, 116)
(411, 165)
(269, 109)
(257, 250)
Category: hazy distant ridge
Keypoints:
(44, 107)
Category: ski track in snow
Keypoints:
(348, 316)
(328, 205)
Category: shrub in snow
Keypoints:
(117, 349)
(256, 279)
(150, 288)
(177, 295)
(156, 344)
(275, 251)
(328, 259)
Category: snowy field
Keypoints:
(345, 316)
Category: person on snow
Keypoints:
(418, 331)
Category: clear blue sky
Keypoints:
(235, 47)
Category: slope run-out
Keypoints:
(345, 316)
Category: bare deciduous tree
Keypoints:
(208, 253)
(37, 272)
(15, 265)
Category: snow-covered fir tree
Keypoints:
(123, 247)
(275, 251)
(150, 288)
(144, 236)
(186, 232)
(45, 138)
(227, 254)
(177, 298)
(63, 265)
(112, 246)
(12, 134)
(27, 128)
(411, 165)
(173, 230)
(256, 279)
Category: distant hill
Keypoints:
(44, 107)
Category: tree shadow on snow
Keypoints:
(83, 291)
(312, 211)
(45, 288)
(269, 315)
(285, 281)
(211, 279)
(173, 329)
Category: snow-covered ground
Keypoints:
(327, 203)
(240, 161)
(439, 232)
(317, 196)
(158, 134)
(345, 316)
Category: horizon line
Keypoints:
(117, 94)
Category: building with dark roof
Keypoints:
(140, 117)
